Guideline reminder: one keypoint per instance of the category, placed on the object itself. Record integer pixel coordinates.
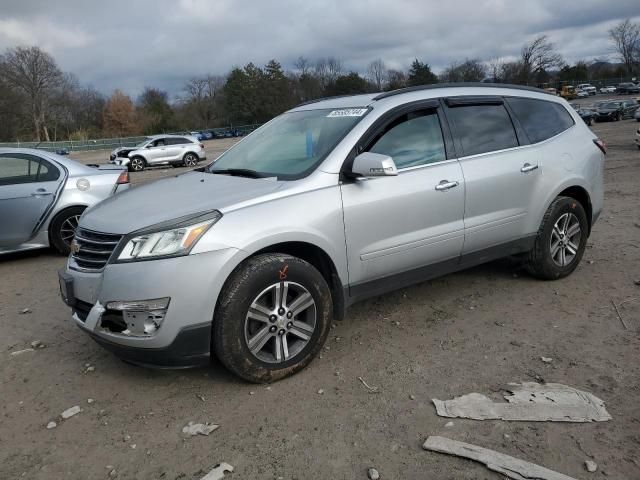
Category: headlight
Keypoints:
(171, 242)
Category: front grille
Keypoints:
(94, 249)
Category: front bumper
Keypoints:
(192, 282)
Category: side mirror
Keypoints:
(369, 164)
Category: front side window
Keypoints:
(483, 128)
(413, 139)
(291, 145)
(539, 118)
(23, 168)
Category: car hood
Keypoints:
(607, 110)
(172, 198)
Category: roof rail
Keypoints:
(321, 99)
(458, 84)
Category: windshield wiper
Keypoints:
(238, 172)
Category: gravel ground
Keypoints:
(471, 331)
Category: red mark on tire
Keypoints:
(283, 272)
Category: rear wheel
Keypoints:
(137, 164)
(190, 160)
(561, 240)
(272, 318)
(63, 228)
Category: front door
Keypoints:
(398, 225)
(28, 188)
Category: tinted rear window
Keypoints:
(539, 118)
(483, 128)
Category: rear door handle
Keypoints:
(527, 167)
(446, 185)
(41, 192)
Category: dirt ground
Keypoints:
(473, 331)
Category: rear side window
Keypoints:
(23, 168)
(483, 128)
(539, 118)
(177, 141)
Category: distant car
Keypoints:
(207, 134)
(581, 93)
(551, 90)
(172, 150)
(614, 111)
(585, 114)
(608, 89)
(43, 195)
(627, 88)
(587, 87)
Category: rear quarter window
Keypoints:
(539, 118)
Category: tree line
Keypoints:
(38, 101)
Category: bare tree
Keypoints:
(626, 39)
(377, 74)
(538, 56)
(471, 70)
(335, 68)
(203, 97)
(35, 73)
(303, 65)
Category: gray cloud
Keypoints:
(128, 45)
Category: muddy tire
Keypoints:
(63, 227)
(272, 318)
(560, 242)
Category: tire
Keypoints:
(63, 227)
(540, 262)
(236, 325)
(190, 160)
(137, 164)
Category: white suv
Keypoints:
(175, 150)
(587, 87)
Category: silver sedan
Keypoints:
(43, 195)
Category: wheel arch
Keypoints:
(58, 213)
(581, 195)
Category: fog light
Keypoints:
(142, 318)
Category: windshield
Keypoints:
(291, 145)
(143, 143)
(610, 105)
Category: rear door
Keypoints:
(500, 175)
(397, 225)
(28, 189)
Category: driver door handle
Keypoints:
(446, 185)
(527, 167)
(41, 192)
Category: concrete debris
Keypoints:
(133, 446)
(25, 310)
(37, 344)
(20, 352)
(51, 425)
(546, 359)
(412, 397)
(530, 401)
(373, 474)
(90, 368)
(321, 392)
(70, 412)
(113, 474)
(218, 472)
(90, 401)
(193, 429)
(448, 424)
(591, 466)
(498, 462)
(201, 397)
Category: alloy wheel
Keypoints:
(137, 164)
(280, 322)
(565, 239)
(68, 229)
(190, 160)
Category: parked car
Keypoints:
(587, 87)
(172, 150)
(616, 110)
(608, 89)
(43, 195)
(197, 135)
(586, 115)
(252, 257)
(581, 93)
(627, 88)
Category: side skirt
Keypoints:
(361, 291)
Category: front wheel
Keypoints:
(63, 229)
(137, 164)
(272, 318)
(561, 240)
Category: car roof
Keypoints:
(408, 94)
(74, 168)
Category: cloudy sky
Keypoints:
(134, 43)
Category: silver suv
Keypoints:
(251, 257)
(175, 150)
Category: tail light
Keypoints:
(123, 178)
(201, 145)
(601, 145)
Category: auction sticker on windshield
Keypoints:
(348, 112)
